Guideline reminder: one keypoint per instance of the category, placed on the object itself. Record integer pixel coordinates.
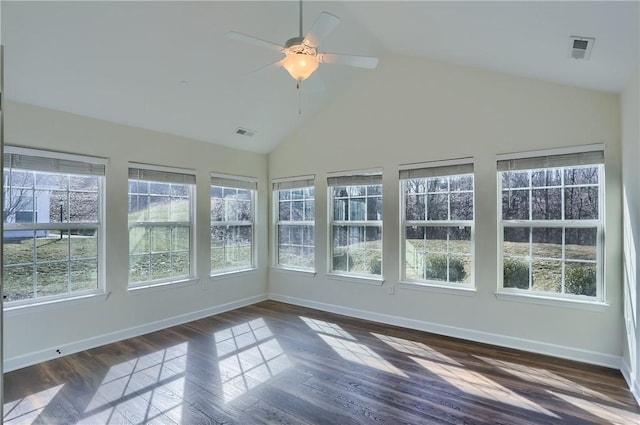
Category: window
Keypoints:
(294, 200)
(551, 227)
(232, 223)
(52, 225)
(437, 223)
(160, 224)
(356, 223)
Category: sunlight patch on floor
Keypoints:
(144, 388)
(346, 345)
(612, 415)
(415, 348)
(248, 355)
(476, 384)
(327, 328)
(546, 378)
(26, 410)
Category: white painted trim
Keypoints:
(437, 163)
(299, 272)
(375, 171)
(561, 302)
(247, 179)
(632, 382)
(560, 351)
(29, 359)
(548, 152)
(51, 304)
(468, 291)
(293, 179)
(226, 274)
(164, 168)
(55, 155)
(378, 281)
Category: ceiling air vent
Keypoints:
(580, 47)
(244, 132)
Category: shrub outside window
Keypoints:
(160, 224)
(294, 201)
(356, 224)
(232, 223)
(52, 225)
(437, 223)
(551, 225)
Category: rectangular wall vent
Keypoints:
(580, 47)
(245, 132)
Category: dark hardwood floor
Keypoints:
(273, 363)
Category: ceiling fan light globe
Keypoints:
(300, 65)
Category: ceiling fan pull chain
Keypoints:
(299, 99)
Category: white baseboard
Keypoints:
(632, 381)
(19, 362)
(452, 331)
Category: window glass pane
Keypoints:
(581, 279)
(458, 183)
(516, 241)
(541, 178)
(139, 268)
(581, 175)
(52, 278)
(374, 190)
(139, 240)
(160, 239)
(284, 195)
(84, 275)
(159, 189)
(297, 210)
(18, 247)
(49, 181)
(295, 246)
(231, 247)
(547, 242)
(437, 184)
(581, 243)
(374, 208)
(357, 209)
(436, 239)
(309, 210)
(84, 244)
(284, 210)
(462, 206)
(437, 207)
(515, 179)
(160, 266)
(581, 203)
(181, 239)
(515, 204)
(415, 207)
(460, 240)
(17, 282)
(52, 248)
(159, 208)
(180, 209)
(547, 275)
(19, 179)
(516, 273)
(546, 204)
(83, 207)
(83, 183)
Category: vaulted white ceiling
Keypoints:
(167, 66)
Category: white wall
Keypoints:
(411, 110)
(34, 334)
(630, 112)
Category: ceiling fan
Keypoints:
(301, 55)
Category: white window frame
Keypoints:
(66, 164)
(164, 174)
(301, 182)
(561, 159)
(236, 182)
(366, 177)
(437, 169)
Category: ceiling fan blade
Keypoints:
(349, 60)
(322, 27)
(276, 64)
(238, 36)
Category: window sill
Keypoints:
(162, 286)
(233, 273)
(378, 281)
(551, 301)
(10, 311)
(301, 272)
(468, 291)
